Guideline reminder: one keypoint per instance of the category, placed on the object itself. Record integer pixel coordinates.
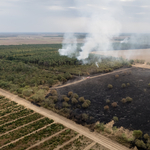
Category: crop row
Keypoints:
(11, 136)
(10, 126)
(34, 138)
(56, 140)
(79, 143)
(14, 116)
(11, 110)
(3, 99)
(4, 104)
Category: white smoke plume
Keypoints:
(101, 27)
(69, 45)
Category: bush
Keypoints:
(146, 136)
(75, 95)
(88, 102)
(65, 104)
(128, 84)
(140, 144)
(54, 98)
(116, 76)
(1, 97)
(110, 86)
(53, 92)
(123, 85)
(66, 99)
(85, 105)
(115, 118)
(114, 104)
(27, 92)
(149, 85)
(123, 100)
(106, 107)
(63, 96)
(137, 133)
(107, 101)
(70, 93)
(100, 126)
(129, 99)
(85, 117)
(74, 101)
(39, 96)
(81, 99)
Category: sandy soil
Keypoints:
(142, 54)
(102, 140)
(32, 39)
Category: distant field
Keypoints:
(142, 54)
(19, 39)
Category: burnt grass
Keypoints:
(134, 115)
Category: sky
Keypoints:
(72, 15)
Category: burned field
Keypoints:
(133, 115)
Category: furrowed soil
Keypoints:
(132, 115)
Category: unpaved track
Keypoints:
(102, 140)
(116, 71)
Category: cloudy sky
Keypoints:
(71, 15)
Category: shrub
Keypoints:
(39, 96)
(115, 118)
(100, 126)
(63, 96)
(149, 85)
(27, 92)
(146, 136)
(85, 117)
(107, 101)
(53, 92)
(85, 105)
(88, 102)
(123, 85)
(110, 86)
(70, 93)
(74, 101)
(66, 99)
(81, 99)
(65, 104)
(106, 107)
(128, 84)
(140, 144)
(116, 76)
(129, 99)
(55, 98)
(137, 133)
(75, 95)
(114, 104)
(1, 97)
(123, 100)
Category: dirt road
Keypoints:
(66, 122)
(116, 71)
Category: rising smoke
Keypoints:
(102, 25)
